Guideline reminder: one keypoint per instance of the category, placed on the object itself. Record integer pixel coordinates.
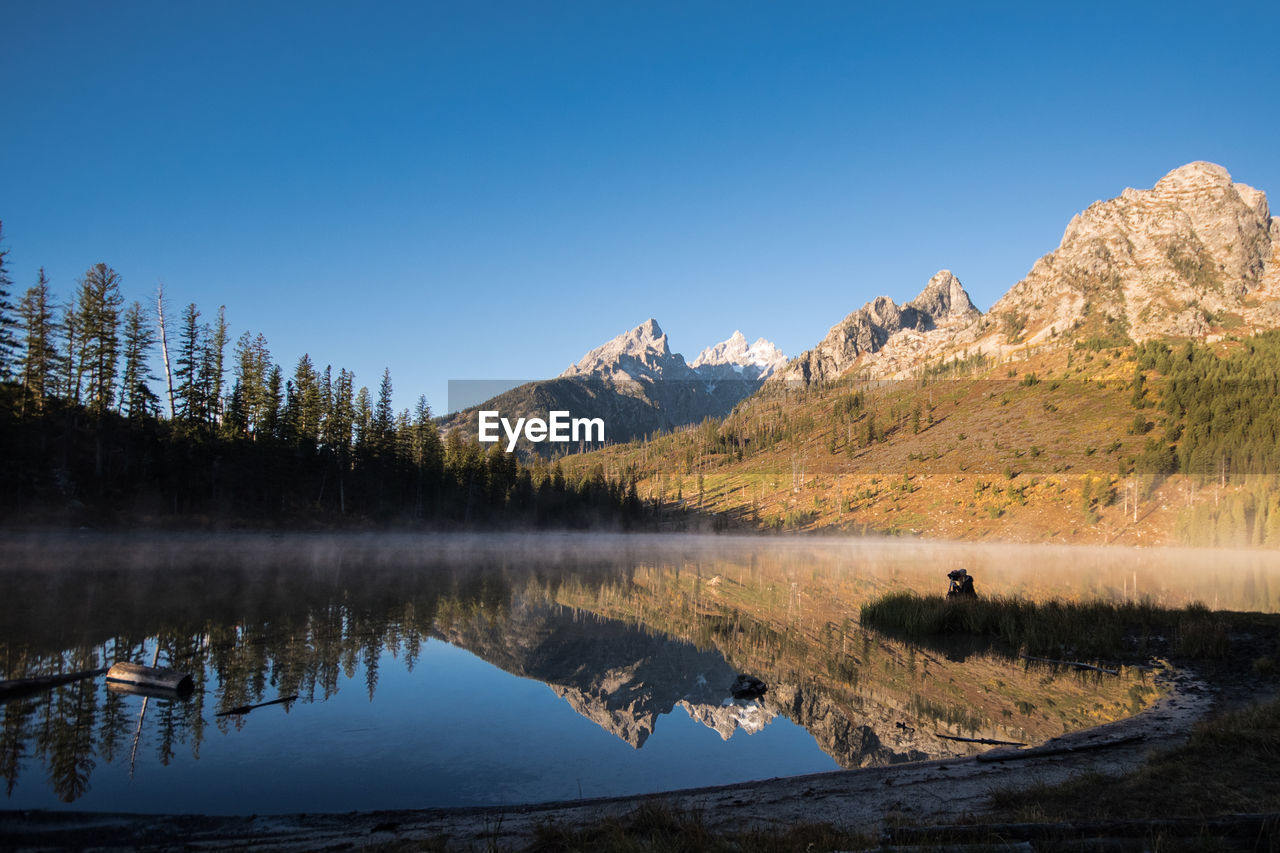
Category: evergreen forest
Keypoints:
(222, 435)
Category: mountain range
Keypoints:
(1120, 392)
(1197, 256)
(638, 385)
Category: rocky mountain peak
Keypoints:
(752, 361)
(1170, 260)
(1198, 174)
(944, 298)
(644, 347)
(942, 305)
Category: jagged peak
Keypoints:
(944, 296)
(645, 340)
(762, 354)
(648, 329)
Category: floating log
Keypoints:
(150, 676)
(244, 709)
(1076, 663)
(147, 691)
(20, 687)
(985, 740)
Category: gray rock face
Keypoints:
(943, 305)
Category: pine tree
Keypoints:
(253, 366)
(8, 318)
(40, 356)
(325, 387)
(308, 409)
(383, 415)
(427, 456)
(271, 416)
(341, 417)
(136, 397)
(364, 421)
(99, 305)
(69, 358)
(213, 355)
(187, 366)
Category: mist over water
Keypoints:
(435, 670)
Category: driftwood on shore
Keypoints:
(1076, 663)
(20, 687)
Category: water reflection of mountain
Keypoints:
(616, 675)
(623, 639)
(623, 678)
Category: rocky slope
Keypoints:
(941, 310)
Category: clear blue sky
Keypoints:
(461, 190)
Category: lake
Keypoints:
(453, 670)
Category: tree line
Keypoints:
(93, 436)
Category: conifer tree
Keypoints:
(99, 306)
(271, 416)
(136, 397)
(383, 415)
(325, 387)
(364, 421)
(8, 317)
(69, 358)
(427, 447)
(212, 367)
(307, 411)
(253, 366)
(40, 356)
(187, 366)
(341, 417)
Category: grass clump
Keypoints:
(1095, 629)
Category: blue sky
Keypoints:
(488, 190)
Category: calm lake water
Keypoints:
(462, 670)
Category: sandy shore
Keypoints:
(858, 800)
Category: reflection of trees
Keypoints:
(259, 633)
